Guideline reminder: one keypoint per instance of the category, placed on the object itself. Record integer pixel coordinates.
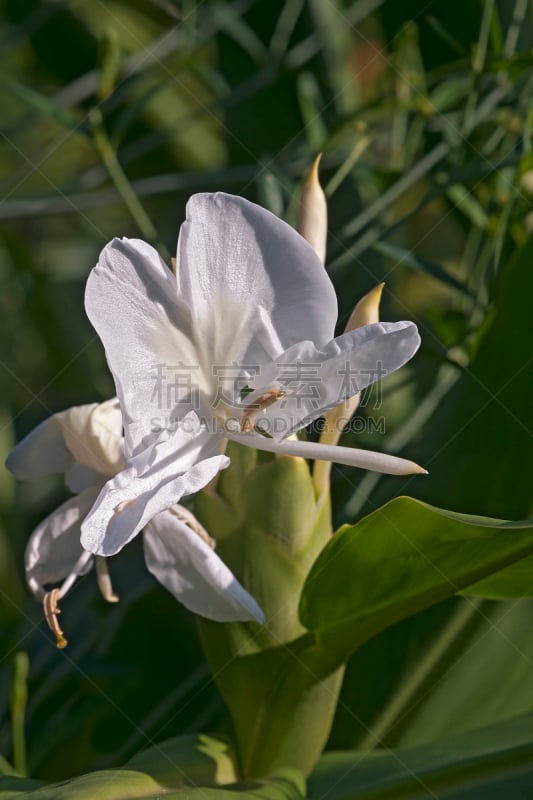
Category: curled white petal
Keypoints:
(153, 482)
(93, 435)
(54, 551)
(42, 452)
(191, 570)
(316, 379)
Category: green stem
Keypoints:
(118, 176)
(402, 700)
(19, 698)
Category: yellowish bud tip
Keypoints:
(313, 221)
(366, 312)
(61, 642)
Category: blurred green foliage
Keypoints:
(112, 115)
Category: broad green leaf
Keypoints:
(400, 559)
(514, 581)
(201, 760)
(13, 788)
(486, 764)
(487, 680)
(286, 784)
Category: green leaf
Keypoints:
(488, 763)
(513, 581)
(487, 680)
(45, 106)
(400, 559)
(286, 784)
(183, 763)
(201, 760)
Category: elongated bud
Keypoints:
(366, 312)
(313, 221)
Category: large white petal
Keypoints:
(42, 452)
(132, 302)
(193, 573)
(238, 261)
(153, 481)
(316, 379)
(54, 546)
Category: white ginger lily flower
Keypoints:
(250, 296)
(85, 443)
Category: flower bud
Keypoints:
(366, 312)
(313, 221)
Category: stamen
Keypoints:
(262, 402)
(51, 610)
(190, 520)
(103, 579)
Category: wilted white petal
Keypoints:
(350, 456)
(187, 566)
(42, 452)
(329, 375)
(132, 302)
(93, 434)
(153, 481)
(78, 478)
(54, 548)
(235, 258)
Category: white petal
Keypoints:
(350, 456)
(186, 566)
(84, 442)
(54, 546)
(93, 434)
(153, 481)
(78, 478)
(315, 380)
(132, 302)
(235, 258)
(42, 452)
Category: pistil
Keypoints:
(51, 611)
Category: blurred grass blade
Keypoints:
(19, 700)
(401, 256)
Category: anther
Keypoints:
(262, 402)
(51, 610)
